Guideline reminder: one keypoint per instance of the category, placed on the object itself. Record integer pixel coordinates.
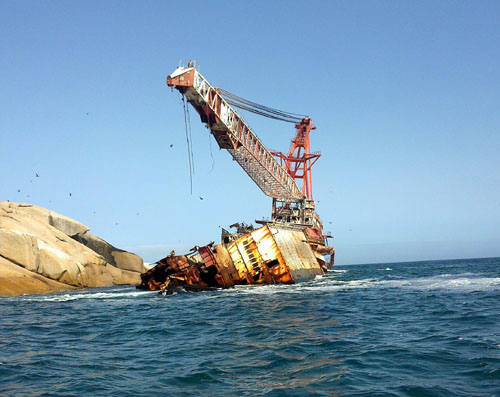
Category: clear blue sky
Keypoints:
(405, 96)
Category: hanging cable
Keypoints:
(190, 137)
(262, 110)
(261, 113)
(254, 104)
(188, 145)
(211, 154)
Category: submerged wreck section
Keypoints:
(271, 254)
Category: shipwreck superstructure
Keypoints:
(291, 247)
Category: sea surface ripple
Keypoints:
(407, 329)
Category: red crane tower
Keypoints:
(299, 160)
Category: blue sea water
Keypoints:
(405, 329)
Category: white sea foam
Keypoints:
(467, 282)
(459, 282)
(91, 295)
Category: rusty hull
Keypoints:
(271, 254)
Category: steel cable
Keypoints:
(254, 104)
(189, 150)
(262, 110)
(250, 109)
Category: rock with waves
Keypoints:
(42, 251)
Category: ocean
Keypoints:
(400, 329)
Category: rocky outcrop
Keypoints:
(46, 248)
(119, 258)
(16, 280)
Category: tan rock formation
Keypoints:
(119, 258)
(15, 279)
(68, 226)
(39, 242)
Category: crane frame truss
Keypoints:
(232, 133)
(299, 160)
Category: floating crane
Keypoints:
(275, 173)
(289, 248)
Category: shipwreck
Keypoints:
(289, 248)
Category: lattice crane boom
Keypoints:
(232, 133)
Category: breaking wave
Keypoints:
(467, 282)
(120, 294)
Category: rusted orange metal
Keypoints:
(183, 80)
(271, 254)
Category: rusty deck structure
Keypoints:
(270, 254)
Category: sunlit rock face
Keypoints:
(42, 251)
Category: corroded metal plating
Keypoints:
(271, 254)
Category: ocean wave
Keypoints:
(467, 282)
(90, 295)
